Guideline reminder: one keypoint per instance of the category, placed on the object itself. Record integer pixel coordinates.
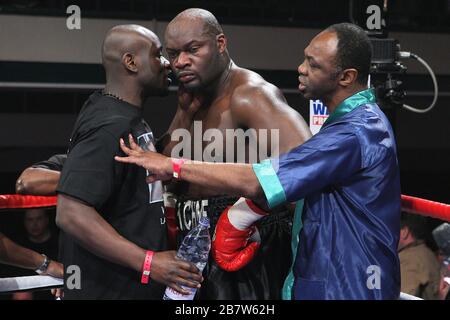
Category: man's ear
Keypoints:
(348, 77)
(404, 232)
(221, 41)
(129, 62)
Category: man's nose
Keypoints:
(182, 60)
(301, 69)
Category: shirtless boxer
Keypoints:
(215, 93)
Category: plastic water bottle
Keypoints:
(194, 248)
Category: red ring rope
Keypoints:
(18, 201)
(409, 204)
(426, 207)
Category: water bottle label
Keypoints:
(175, 295)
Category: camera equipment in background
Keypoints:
(386, 68)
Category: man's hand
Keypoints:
(55, 269)
(173, 272)
(159, 166)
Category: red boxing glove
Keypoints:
(232, 247)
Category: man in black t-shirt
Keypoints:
(109, 216)
(38, 237)
(14, 254)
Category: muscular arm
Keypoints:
(87, 227)
(18, 256)
(15, 255)
(37, 181)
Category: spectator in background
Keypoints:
(38, 237)
(420, 270)
(15, 255)
(40, 179)
(441, 235)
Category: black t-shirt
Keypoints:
(54, 163)
(48, 247)
(118, 192)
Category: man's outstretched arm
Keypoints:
(234, 179)
(15, 255)
(226, 178)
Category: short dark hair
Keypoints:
(354, 49)
(416, 224)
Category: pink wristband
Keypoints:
(176, 164)
(147, 267)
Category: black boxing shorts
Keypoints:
(263, 277)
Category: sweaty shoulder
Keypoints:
(251, 89)
(256, 103)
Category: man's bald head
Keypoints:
(197, 16)
(124, 39)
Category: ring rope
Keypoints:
(409, 204)
(16, 201)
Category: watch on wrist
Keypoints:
(43, 267)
